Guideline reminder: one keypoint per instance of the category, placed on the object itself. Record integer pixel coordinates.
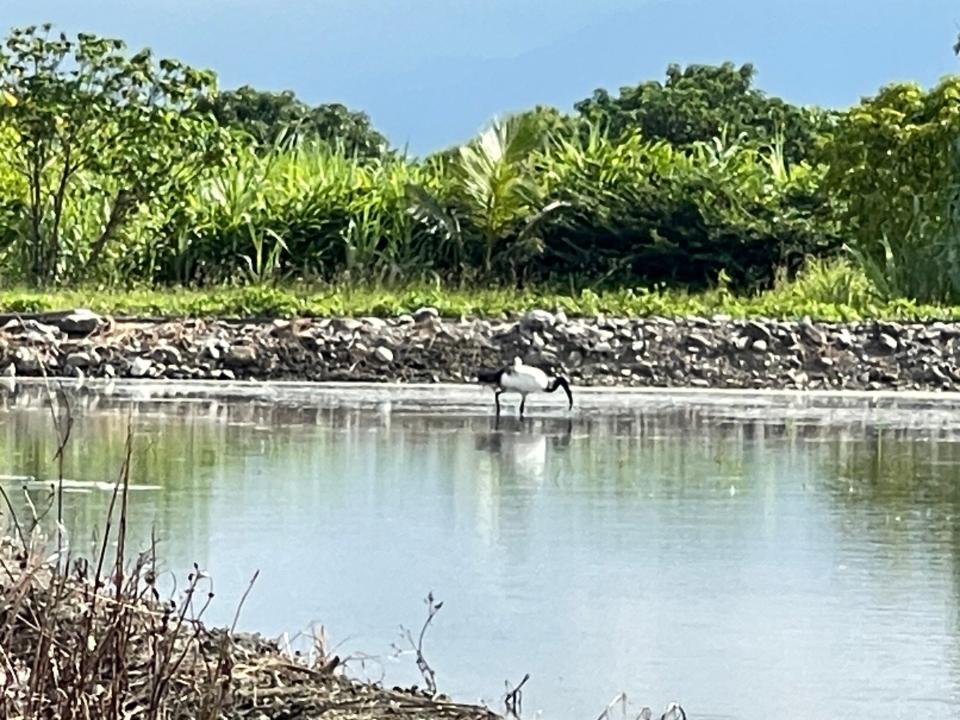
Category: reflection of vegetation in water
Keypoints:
(893, 469)
(905, 484)
(187, 448)
(202, 451)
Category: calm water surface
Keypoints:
(751, 557)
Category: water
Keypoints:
(752, 556)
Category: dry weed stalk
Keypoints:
(513, 700)
(426, 671)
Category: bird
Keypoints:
(522, 379)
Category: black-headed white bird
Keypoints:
(524, 380)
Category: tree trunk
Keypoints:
(121, 206)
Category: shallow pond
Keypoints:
(752, 556)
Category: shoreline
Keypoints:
(681, 354)
(167, 662)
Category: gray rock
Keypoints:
(812, 334)
(80, 322)
(34, 331)
(887, 342)
(140, 367)
(538, 320)
(383, 354)
(241, 356)
(843, 339)
(697, 342)
(348, 325)
(373, 324)
(948, 332)
(798, 377)
(79, 359)
(309, 340)
(279, 326)
(757, 331)
(212, 349)
(892, 329)
(166, 354)
(27, 359)
(425, 314)
(599, 351)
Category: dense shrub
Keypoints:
(648, 212)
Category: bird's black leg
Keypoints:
(523, 401)
(496, 399)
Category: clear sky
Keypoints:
(432, 72)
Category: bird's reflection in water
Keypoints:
(520, 446)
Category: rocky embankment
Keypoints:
(687, 352)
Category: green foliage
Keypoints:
(834, 291)
(499, 198)
(701, 102)
(95, 126)
(305, 210)
(894, 175)
(279, 117)
(649, 212)
(120, 170)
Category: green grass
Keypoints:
(828, 292)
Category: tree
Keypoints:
(493, 209)
(894, 175)
(89, 120)
(701, 102)
(271, 117)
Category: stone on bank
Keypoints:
(716, 352)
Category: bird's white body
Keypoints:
(524, 379)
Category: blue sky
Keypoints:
(432, 72)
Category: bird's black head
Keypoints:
(561, 382)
